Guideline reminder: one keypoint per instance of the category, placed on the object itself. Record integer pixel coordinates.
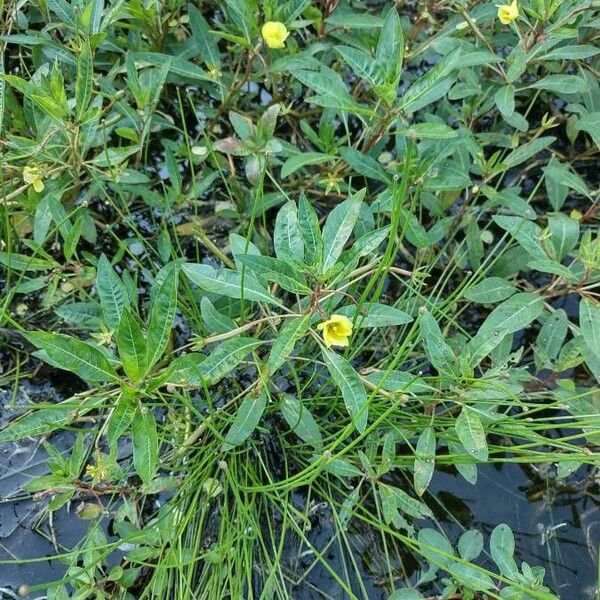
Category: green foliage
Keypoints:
(183, 210)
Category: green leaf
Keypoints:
(562, 84)
(246, 419)
(526, 151)
(73, 355)
(558, 179)
(407, 504)
(550, 338)
(204, 40)
(399, 381)
(303, 159)
(284, 343)
(63, 10)
(375, 315)
(590, 123)
(122, 417)
(424, 464)
(279, 271)
(431, 86)
(145, 444)
(361, 63)
(111, 157)
(349, 383)
(287, 238)
(415, 232)
(430, 131)
(490, 290)
(132, 346)
(575, 52)
(406, 594)
(300, 420)
(589, 324)
(436, 348)
(564, 234)
(435, 548)
(162, 313)
(470, 576)
(365, 165)
(198, 369)
(471, 434)
(21, 262)
(308, 223)
(331, 90)
(467, 469)
(338, 228)
(554, 267)
(215, 321)
(56, 110)
(528, 234)
(85, 315)
(389, 53)
(505, 100)
(84, 81)
(512, 315)
(111, 292)
(227, 283)
(42, 421)
(502, 549)
(470, 544)
(353, 20)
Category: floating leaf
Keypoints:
(424, 464)
(471, 434)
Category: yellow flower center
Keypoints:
(274, 33)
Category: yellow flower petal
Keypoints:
(507, 13)
(336, 331)
(38, 185)
(274, 33)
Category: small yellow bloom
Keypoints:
(576, 214)
(507, 13)
(274, 33)
(336, 330)
(33, 176)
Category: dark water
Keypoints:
(556, 523)
(556, 526)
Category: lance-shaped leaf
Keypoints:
(198, 369)
(164, 305)
(145, 444)
(246, 419)
(132, 346)
(227, 283)
(71, 354)
(286, 339)
(111, 291)
(338, 228)
(350, 385)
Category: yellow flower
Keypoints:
(336, 330)
(274, 33)
(33, 176)
(507, 13)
